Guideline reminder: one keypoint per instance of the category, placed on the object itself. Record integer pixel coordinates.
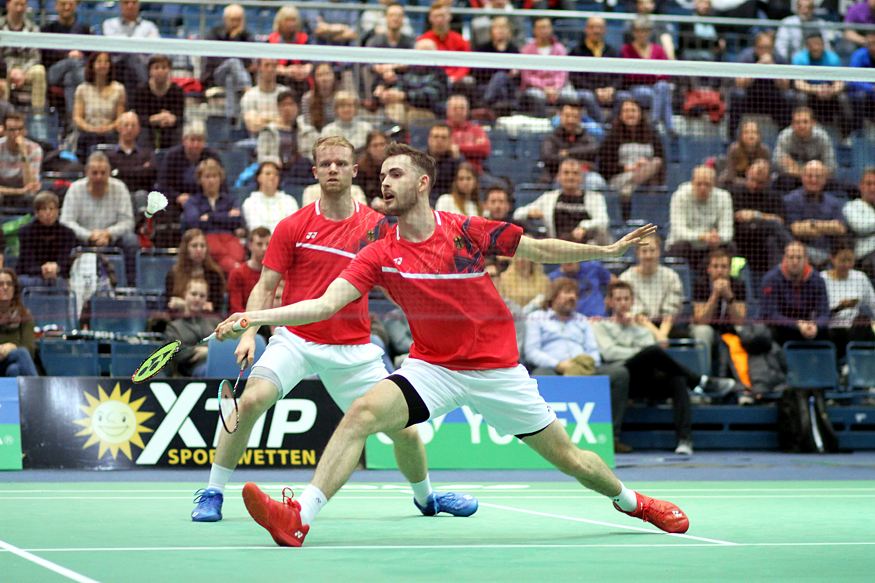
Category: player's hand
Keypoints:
(245, 351)
(232, 327)
(636, 238)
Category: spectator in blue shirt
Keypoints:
(560, 341)
(827, 99)
(592, 279)
(862, 94)
(795, 304)
(815, 216)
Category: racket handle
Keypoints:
(238, 326)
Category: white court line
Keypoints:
(27, 556)
(439, 547)
(390, 488)
(482, 495)
(608, 524)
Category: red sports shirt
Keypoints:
(457, 318)
(311, 251)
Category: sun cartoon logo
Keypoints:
(113, 421)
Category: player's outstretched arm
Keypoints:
(336, 297)
(559, 251)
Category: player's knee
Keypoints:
(362, 417)
(256, 399)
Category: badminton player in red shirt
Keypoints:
(464, 349)
(309, 249)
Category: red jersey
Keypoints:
(457, 318)
(241, 280)
(310, 251)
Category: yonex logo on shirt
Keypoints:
(397, 260)
(311, 235)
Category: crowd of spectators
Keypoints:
(804, 236)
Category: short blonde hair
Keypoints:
(210, 165)
(329, 141)
(286, 11)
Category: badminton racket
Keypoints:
(163, 355)
(228, 411)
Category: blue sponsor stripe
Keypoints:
(9, 413)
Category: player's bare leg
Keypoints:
(383, 408)
(410, 454)
(588, 468)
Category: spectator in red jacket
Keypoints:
(439, 17)
(244, 277)
(467, 136)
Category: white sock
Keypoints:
(421, 490)
(626, 499)
(312, 500)
(703, 381)
(219, 477)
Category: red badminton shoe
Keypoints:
(664, 515)
(281, 519)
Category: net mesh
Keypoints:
(720, 131)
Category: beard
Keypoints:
(398, 207)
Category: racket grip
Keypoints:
(238, 326)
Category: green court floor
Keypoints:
(740, 531)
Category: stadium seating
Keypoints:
(70, 358)
(811, 365)
(693, 354)
(51, 307)
(119, 314)
(221, 362)
(861, 365)
(152, 268)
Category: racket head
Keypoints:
(228, 411)
(156, 361)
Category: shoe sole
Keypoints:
(216, 519)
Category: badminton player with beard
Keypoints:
(309, 249)
(464, 348)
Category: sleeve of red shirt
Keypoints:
(280, 249)
(494, 237)
(365, 270)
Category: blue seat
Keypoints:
(125, 357)
(615, 210)
(221, 362)
(861, 365)
(69, 358)
(682, 268)
(218, 131)
(692, 354)
(120, 314)
(811, 365)
(651, 206)
(51, 307)
(152, 268)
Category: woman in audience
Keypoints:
(217, 214)
(524, 283)
(97, 104)
(464, 196)
(500, 86)
(632, 153)
(654, 90)
(268, 205)
(345, 124)
(848, 290)
(317, 105)
(741, 154)
(192, 323)
(16, 330)
(370, 163)
(194, 261)
(288, 29)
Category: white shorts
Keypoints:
(508, 398)
(347, 371)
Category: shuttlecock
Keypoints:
(155, 203)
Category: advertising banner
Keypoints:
(107, 423)
(462, 440)
(10, 432)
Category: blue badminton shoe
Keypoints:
(209, 505)
(449, 502)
